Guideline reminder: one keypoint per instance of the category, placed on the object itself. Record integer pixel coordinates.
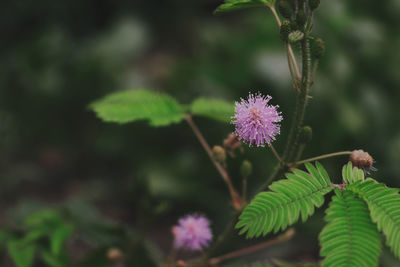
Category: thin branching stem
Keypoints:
(237, 253)
(275, 153)
(236, 200)
(290, 50)
(330, 155)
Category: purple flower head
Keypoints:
(256, 122)
(192, 232)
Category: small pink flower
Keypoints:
(192, 232)
(256, 122)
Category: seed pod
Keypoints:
(301, 18)
(361, 159)
(296, 36)
(285, 9)
(318, 48)
(313, 4)
(246, 168)
(219, 154)
(285, 30)
(305, 134)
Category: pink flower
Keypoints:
(192, 232)
(256, 122)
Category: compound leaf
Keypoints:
(384, 205)
(350, 238)
(290, 198)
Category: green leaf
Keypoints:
(297, 195)
(384, 205)
(132, 105)
(58, 237)
(21, 252)
(352, 175)
(231, 5)
(214, 109)
(350, 238)
(51, 259)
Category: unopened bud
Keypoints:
(114, 254)
(318, 48)
(219, 154)
(231, 143)
(305, 134)
(296, 36)
(285, 9)
(285, 30)
(313, 4)
(246, 168)
(301, 18)
(361, 159)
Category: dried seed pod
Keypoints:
(361, 159)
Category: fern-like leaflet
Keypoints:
(289, 198)
(384, 205)
(350, 238)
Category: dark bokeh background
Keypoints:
(58, 56)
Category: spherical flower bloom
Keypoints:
(256, 122)
(361, 159)
(192, 232)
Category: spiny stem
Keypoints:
(281, 238)
(314, 71)
(341, 153)
(236, 200)
(290, 50)
(301, 102)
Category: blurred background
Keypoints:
(124, 186)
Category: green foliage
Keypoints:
(21, 252)
(352, 175)
(350, 238)
(132, 105)
(384, 205)
(231, 5)
(212, 108)
(299, 194)
(45, 225)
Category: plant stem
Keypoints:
(301, 102)
(314, 71)
(281, 238)
(236, 200)
(275, 154)
(290, 50)
(294, 79)
(341, 153)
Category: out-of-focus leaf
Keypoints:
(58, 238)
(46, 217)
(21, 252)
(231, 5)
(132, 105)
(212, 108)
(51, 259)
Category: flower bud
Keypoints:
(361, 159)
(305, 135)
(313, 4)
(285, 9)
(296, 36)
(114, 254)
(231, 143)
(318, 48)
(219, 154)
(301, 18)
(246, 168)
(285, 30)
